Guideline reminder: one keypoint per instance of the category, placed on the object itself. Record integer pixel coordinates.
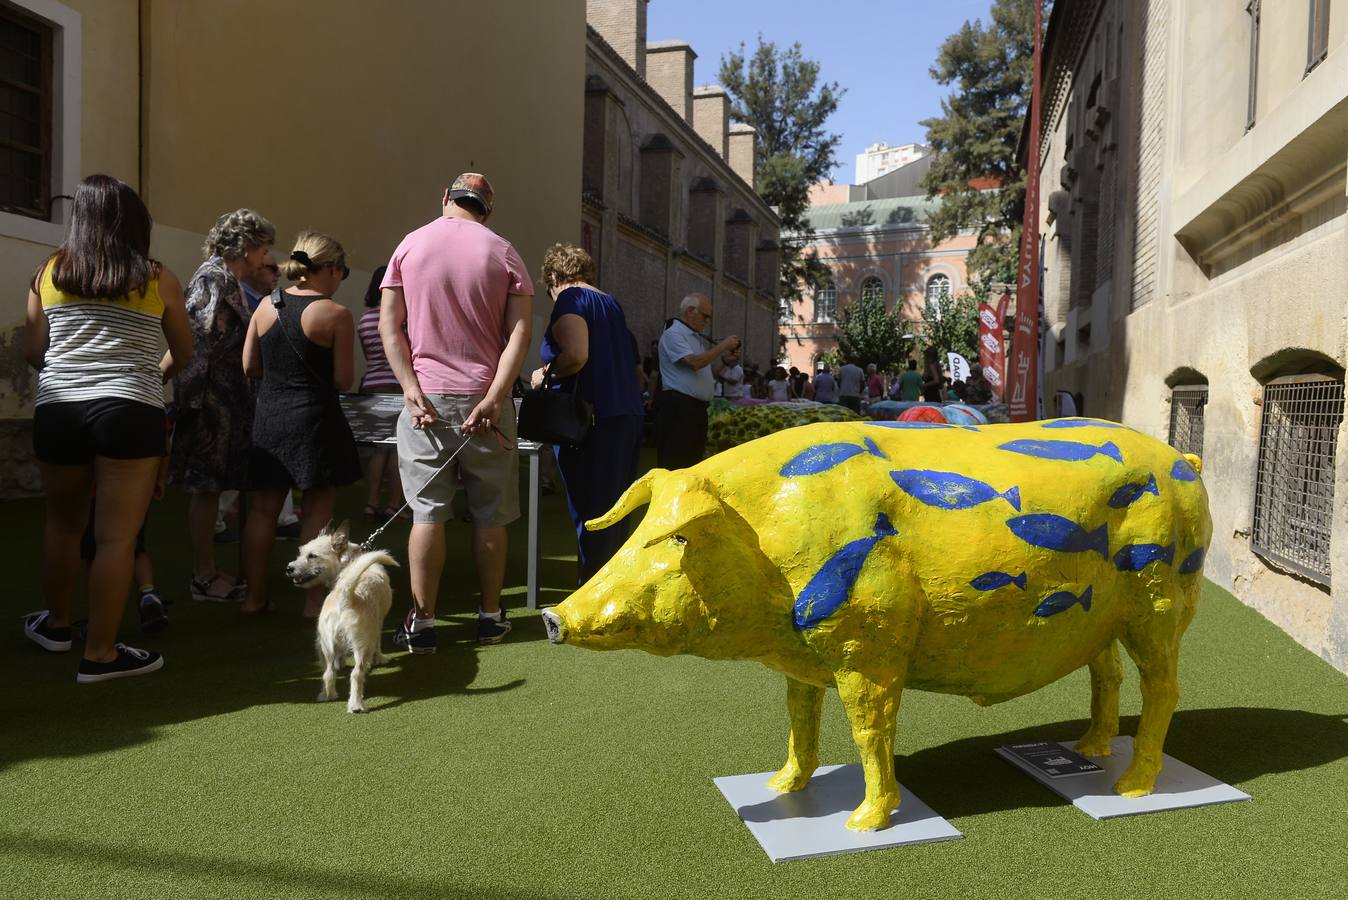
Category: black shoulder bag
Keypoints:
(552, 416)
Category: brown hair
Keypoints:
(566, 264)
(107, 251)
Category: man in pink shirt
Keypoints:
(466, 299)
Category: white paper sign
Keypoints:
(959, 367)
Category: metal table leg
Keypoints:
(532, 589)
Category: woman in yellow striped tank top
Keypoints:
(96, 312)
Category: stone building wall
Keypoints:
(141, 90)
(1220, 258)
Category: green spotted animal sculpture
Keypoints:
(873, 557)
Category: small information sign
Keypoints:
(1052, 759)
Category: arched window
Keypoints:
(873, 288)
(826, 302)
(938, 286)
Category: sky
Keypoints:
(879, 50)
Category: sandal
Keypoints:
(265, 609)
(399, 512)
(371, 511)
(218, 589)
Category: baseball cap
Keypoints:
(472, 184)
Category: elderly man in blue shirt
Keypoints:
(689, 362)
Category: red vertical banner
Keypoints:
(1023, 377)
(991, 353)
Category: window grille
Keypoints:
(873, 289)
(25, 114)
(826, 303)
(1187, 404)
(1294, 488)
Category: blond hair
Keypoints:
(321, 250)
(567, 264)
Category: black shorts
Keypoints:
(72, 433)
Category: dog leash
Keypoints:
(368, 543)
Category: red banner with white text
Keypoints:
(1023, 380)
(991, 352)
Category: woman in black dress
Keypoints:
(300, 344)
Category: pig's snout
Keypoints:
(554, 626)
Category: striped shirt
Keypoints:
(100, 347)
(377, 372)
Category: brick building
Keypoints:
(668, 204)
(876, 242)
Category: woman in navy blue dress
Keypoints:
(590, 349)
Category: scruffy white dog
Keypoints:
(359, 598)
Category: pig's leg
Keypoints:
(1154, 646)
(872, 709)
(805, 703)
(1106, 673)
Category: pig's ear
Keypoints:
(682, 503)
(638, 495)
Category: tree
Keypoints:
(950, 324)
(974, 140)
(871, 334)
(779, 93)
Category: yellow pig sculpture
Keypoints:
(986, 561)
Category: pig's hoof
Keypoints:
(1093, 745)
(789, 779)
(871, 816)
(1135, 783)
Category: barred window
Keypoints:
(1294, 489)
(1187, 403)
(826, 302)
(25, 114)
(873, 289)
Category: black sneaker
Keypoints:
(422, 641)
(490, 631)
(130, 661)
(153, 618)
(36, 629)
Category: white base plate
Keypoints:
(1179, 786)
(813, 822)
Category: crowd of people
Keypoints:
(257, 370)
(849, 384)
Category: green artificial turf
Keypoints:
(527, 770)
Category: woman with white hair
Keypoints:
(214, 401)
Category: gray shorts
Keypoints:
(490, 472)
